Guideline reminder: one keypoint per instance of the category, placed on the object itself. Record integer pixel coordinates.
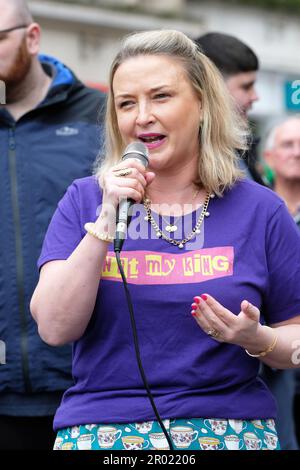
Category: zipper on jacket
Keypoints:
(19, 258)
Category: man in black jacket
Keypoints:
(238, 64)
(50, 134)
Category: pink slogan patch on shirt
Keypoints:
(147, 267)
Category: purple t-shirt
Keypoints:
(249, 248)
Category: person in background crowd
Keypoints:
(217, 245)
(238, 65)
(282, 154)
(48, 137)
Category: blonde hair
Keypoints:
(222, 131)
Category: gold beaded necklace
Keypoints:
(192, 234)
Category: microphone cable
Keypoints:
(137, 351)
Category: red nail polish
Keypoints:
(193, 313)
(197, 300)
(204, 297)
(194, 306)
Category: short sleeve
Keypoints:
(64, 232)
(282, 300)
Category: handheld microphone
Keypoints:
(138, 151)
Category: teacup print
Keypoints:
(271, 440)
(183, 436)
(85, 441)
(158, 441)
(252, 442)
(257, 423)
(218, 426)
(238, 425)
(144, 428)
(67, 446)
(270, 423)
(166, 423)
(134, 443)
(107, 436)
(210, 443)
(232, 442)
(58, 443)
(75, 432)
(89, 427)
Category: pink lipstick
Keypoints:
(152, 139)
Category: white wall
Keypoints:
(274, 36)
(86, 39)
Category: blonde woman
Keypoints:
(205, 250)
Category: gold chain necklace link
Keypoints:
(172, 227)
(195, 230)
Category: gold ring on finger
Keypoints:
(123, 172)
(213, 333)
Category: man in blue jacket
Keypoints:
(50, 134)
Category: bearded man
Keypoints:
(48, 137)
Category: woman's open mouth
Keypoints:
(152, 140)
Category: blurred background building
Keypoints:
(86, 33)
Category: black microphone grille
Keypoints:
(137, 150)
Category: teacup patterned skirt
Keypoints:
(186, 434)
